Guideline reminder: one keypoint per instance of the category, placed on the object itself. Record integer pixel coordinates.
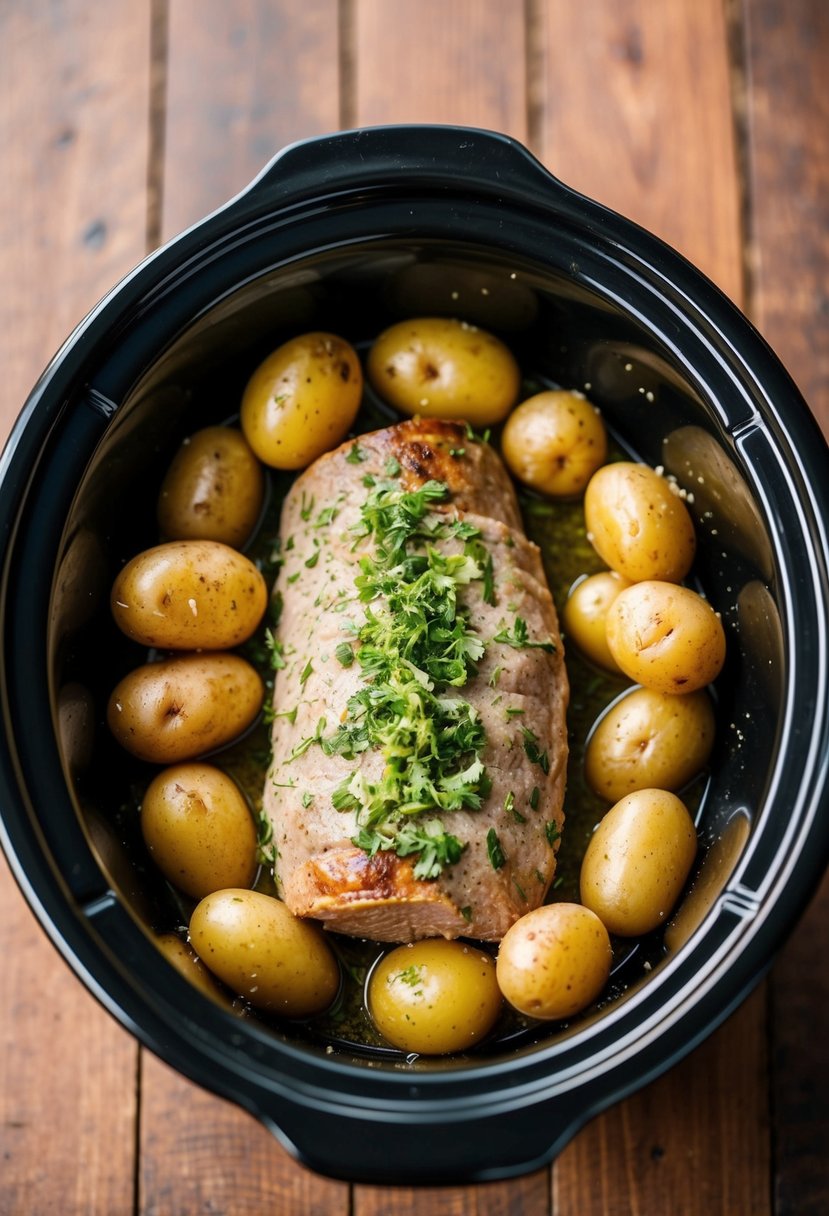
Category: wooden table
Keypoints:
(122, 122)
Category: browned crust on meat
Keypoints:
(345, 888)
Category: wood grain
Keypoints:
(66, 234)
(200, 1154)
(786, 51)
(634, 109)
(701, 1121)
(786, 58)
(528, 1196)
(243, 80)
(429, 61)
(67, 1071)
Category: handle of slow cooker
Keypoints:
(449, 157)
(427, 1146)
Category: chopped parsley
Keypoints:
(345, 654)
(356, 454)
(520, 638)
(276, 654)
(494, 851)
(551, 831)
(415, 645)
(534, 753)
(511, 809)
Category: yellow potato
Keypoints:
(554, 961)
(264, 953)
(440, 367)
(434, 996)
(585, 613)
(189, 595)
(199, 830)
(184, 707)
(213, 489)
(637, 524)
(649, 739)
(637, 862)
(302, 400)
(665, 637)
(187, 963)
(554, 442)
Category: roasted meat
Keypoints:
(360, 846)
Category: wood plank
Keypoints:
(201, 1154)
(66, 236)
(429, 61)
(243, 80)
(67, 1071)
(640, 119)
(786, 51)
(786, 54)
(527, 1196)
(688, 1142)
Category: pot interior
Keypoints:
(564, 332)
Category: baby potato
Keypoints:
(440, 367)
(187, 963)
(649, 739)
(585, 613)
(189, 595)
(637, 524)
(213, 489)
(554, 442)
(665, 637)
(554, 961)
(181, 708)
(434, 996)
(264, 953)
(637, 861)
(199, 830)
(301, 400)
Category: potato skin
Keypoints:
(213, 489)
(199, 830)
(637, 861)
(554, 961)
(665, 637)
(434, 996)
(439, 367)
(187, 963)
(637, 524)
(584, 615)
(264, 953)
(554, 442)
(189, 595)
(181, 708)
(649, 739)
(302, 400)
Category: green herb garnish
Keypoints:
(520, 639)
(494, 851)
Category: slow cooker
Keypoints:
(347, 233)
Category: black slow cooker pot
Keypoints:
(347, 233)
